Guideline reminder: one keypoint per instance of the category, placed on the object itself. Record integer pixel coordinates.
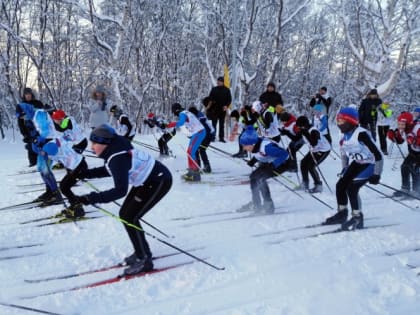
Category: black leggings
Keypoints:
(308, 165)
(348, 189)
(139, 201)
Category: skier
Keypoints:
(210, 136)
(290, 130)
(320, 122)
(124, 126)
(44, 132)
(362, 162)
(196, 132)
(167, 134)
(408, 130)
(319, 148)
(70, 129)
(150, 181)
(60, 150)
(266, 119)
(272, 160)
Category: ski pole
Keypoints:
(148, 146)
(156, 238)
(319, 170)
(220, 150)
(119, 205)
(396, 200)
(399, 149)
(394, 189)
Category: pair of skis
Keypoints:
(109, 280)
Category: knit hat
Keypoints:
(417, 110)
(303, 122)
(349, 114)
(249, 136)
(272, 85)
(221, 79)
(150, 115)
(58, 115)
(103, 134)
(27, 91)
(405, 117)
(318, 108)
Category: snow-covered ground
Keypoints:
(343, 273)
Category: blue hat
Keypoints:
(249, 137)
(103, 134)
(349, 114)
(417, 110)
(318, 107)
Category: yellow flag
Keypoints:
(226, 76)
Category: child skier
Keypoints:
(167, 134)
(408, 131)
(272, 160)
(319, 148)
(150, 181)
(124, 126)
(196, 132)
(290, 130)
(320, 121)
(70, 129)
(210, 136)
(362, 163)
(45, 132)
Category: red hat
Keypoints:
(406, 117)
(58, 114)
(150, 115)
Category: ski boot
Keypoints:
(268, 207)
(403, 192)
(339, 218)
(207, 168)
(192, 176)
(316, 189)
(355, 223)
(247, 207)
(139, 265)
(46, 195)
(74, 211)
(53, 198)
(303, 186)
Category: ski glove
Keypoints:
(374, 179)
(252, 162)
(82, 199)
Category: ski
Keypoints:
(54, 216)
(20, 246)
(201, 215)
(22, 205)
(112, 280)
(241, 217)
(68, 220)
(339, 230)
(309, 226)
(402, 251)
(31, 309)
(19, 256)
(116, 266)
